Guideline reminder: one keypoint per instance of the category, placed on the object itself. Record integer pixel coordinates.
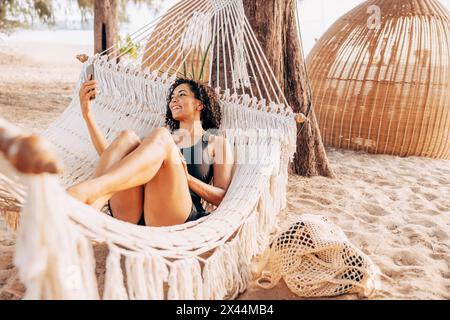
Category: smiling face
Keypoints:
(183, 104)
(192, 101)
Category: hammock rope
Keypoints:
(209, 258)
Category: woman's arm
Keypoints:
(87, 92)
(222, 168)
(209, 193)
(97, 137)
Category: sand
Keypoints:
(396, 210)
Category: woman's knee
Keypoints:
(162, 132)
(125, 142)
(128, 138)
(129, 135)
(163, 138)
(162, 135)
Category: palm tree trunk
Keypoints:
(275, 25)
(106, 20)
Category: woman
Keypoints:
(149, 182)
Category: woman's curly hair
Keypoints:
(210, 116)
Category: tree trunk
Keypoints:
(106, 20)
(275, 25)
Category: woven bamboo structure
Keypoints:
(172, 30)
(385, 88)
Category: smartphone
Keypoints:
(90, 72)
(90, 75)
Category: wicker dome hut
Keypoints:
(382, 83)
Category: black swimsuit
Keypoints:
(199, 165)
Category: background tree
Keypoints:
(20, 13)
(106, 24)
(87, 7)
(275, 26)
(23, 13)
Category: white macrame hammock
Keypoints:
(205, 259)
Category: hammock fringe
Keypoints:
(56, 232)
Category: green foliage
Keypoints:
(129, 49)
(86, 8)
(22, 13)
(192, 75)
(44, 9)
(205, 55)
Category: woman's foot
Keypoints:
(77, 192)
(84, 192)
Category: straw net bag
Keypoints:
(315, 259)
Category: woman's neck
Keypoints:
(193, 128)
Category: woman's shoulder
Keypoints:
(217, 142)
(214, 138)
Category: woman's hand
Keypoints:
(87, 92)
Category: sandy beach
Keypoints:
(396, 210)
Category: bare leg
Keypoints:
(157, 151)
(126, 205)
(167, 200)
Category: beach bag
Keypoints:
(316, 259)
